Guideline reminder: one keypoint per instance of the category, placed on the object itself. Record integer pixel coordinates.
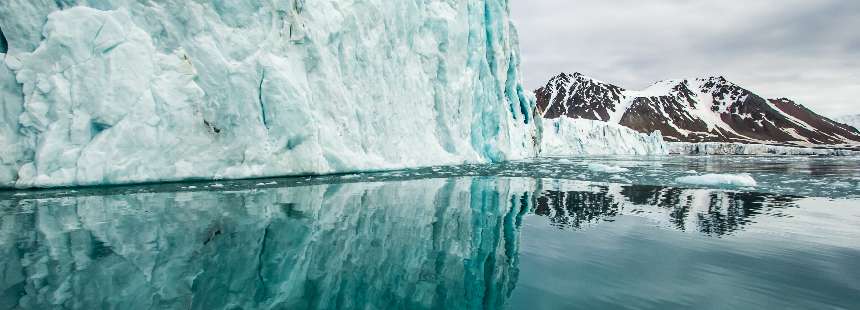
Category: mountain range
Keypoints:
(710, 109)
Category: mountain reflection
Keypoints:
(710, 212)
(441, 244)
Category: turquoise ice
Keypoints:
(110, 92)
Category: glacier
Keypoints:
(566, 136)
(722, 148)
(572, 137)
(118, 91)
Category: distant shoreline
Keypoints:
(735, 148)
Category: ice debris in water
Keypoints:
(606, 168)
(738, 180)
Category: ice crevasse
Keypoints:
(112, 92)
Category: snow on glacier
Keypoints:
(111, 92)
(569, 137)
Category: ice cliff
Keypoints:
(109, 92)
(575, 137)
(570, 137)
(719, 148)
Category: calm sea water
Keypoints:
(546, 234)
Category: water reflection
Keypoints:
(405, 243)
(441, 244)
(710, 212)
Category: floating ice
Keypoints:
(606, 168)
(738, 180)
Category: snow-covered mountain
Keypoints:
(710, 109)
(109, 92)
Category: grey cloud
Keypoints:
(805, 50)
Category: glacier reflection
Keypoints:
(390, 243)
(438, 243)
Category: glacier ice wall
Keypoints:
(721, 148)
(124, 91)
(571, 137)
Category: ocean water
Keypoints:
(560, 233)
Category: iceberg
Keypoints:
(115, 92)
(571, 137)
(737, 180)
(606, 168)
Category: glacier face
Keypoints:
(111, 92)
(720, 148)
(570, 137)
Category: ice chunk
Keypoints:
(606, 168)
(737, 180)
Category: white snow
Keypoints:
(571, 137)
(662, 88)
(738, 180)
(148, 91)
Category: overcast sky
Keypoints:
(806, 50)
